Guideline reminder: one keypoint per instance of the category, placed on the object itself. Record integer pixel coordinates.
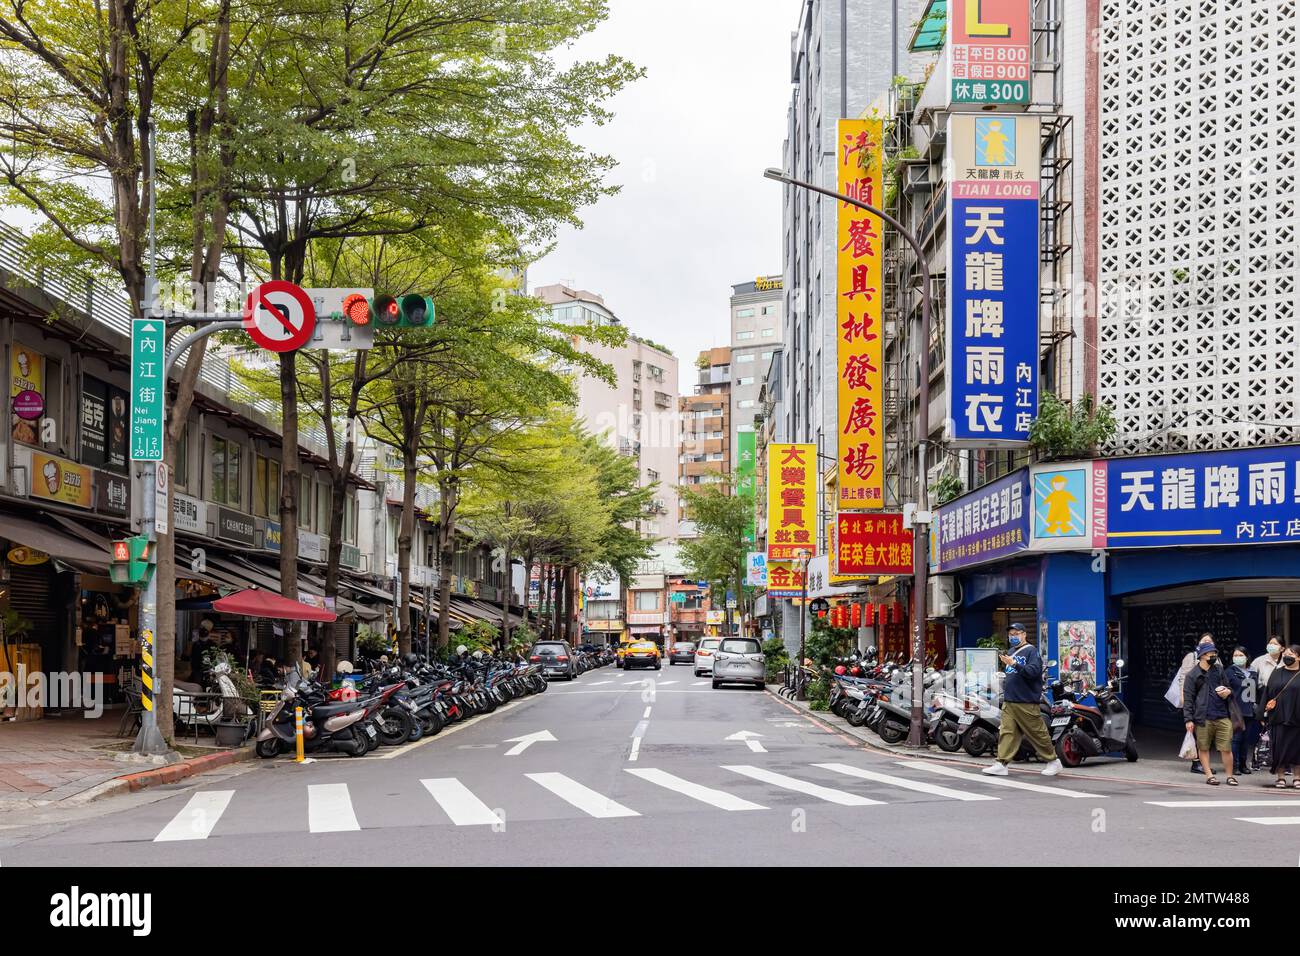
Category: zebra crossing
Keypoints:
(1239, 806)
(637, 792)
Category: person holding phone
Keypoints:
(1207, 692)
(1282, 709)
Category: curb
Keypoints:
(848, 733)
(171, 773)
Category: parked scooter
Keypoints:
(341, 726)
(1091, 722)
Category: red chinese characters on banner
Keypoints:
(872, 544)
(784, 580)
(791, 501)
(859, 354)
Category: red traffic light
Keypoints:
(356, 309)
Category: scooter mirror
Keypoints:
(1120, 665)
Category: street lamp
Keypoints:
(804, 556)
(921, 519)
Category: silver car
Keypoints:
(739, 660)
(704, 655)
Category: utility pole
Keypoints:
(804, 557)
(150, 740)
(921, 517)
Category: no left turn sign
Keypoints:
(279, 316)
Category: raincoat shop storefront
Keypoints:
(1129, 559)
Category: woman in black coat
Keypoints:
(1282, 706)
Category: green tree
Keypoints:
(397, 117)
(718, 554)
(82, 87)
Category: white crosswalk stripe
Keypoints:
(599, 682)
(197, 818)
(1272, 821)
(715, 798)
(329, 808)
(830, 795)
(1221, 804)
(699, 683)
(665, 683)
(932, 767)
(584, 798)
(459, 804)
(919, 786)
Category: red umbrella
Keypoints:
(256, 603)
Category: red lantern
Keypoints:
(869, 615)
(897, 616)
(857, 615)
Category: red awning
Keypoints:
(257, 603)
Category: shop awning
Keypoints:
(257, 603)
(55, 543)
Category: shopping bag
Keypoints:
(1189, 747)
(1175, 692)
(1264, 750)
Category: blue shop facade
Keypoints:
(1128, 559)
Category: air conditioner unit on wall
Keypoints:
(943, 595)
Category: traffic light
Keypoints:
(418, 311)
(386, 311)
(133, 561)
(356, 309)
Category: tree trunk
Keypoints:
(448, 500)
(506, 595)
(290, 487)
(405, 536)
(339, 472)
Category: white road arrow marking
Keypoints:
(748, 737)
(527, 740)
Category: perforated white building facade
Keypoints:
(1196, 225)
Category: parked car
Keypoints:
(683, 652)
(642, 654)
(704, 656)
(739, 660)
(557, 659)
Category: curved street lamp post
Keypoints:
(921, 517)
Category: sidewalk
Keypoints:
(1158, 765)
(71, 758)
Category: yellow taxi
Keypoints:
(640, 654)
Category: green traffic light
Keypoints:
(417, 311)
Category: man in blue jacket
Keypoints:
(1022, 690)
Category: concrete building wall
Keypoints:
(638, 413)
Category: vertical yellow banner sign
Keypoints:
(791, 501)
(859, 290)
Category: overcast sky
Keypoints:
(692, 139)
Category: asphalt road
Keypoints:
(646, 768)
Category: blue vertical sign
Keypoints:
(992, 330)
(148, 388)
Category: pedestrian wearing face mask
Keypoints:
(1243, 741)
(1022, 689)
(1208, 703)
(1282, 705)
(1266, 663)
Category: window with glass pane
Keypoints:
(233, 473)
(217, 457)
(324, 496)
(259, 486)
(304, 502)
(647, 600)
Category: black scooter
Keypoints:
(1091, 723)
